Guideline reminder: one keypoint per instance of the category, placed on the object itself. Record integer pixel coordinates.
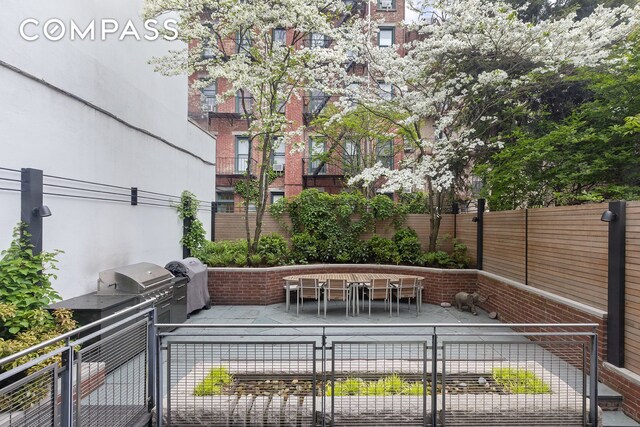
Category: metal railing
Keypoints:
(389, 374)
(102, 374)
(236, 165)
(303, 374)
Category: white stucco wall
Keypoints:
(41, 128)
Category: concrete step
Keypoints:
(617, 419)
(608, 399)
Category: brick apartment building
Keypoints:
(297, 170)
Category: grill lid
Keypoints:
(133, 279)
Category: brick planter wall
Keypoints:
(263, 286)
(517, 303)
(627, 384)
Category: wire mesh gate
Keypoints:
(369, 378)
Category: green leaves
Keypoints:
(194, 237)
(26, 288)
(588, 153)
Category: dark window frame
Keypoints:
(393, 8)
(393, 34)
(206, 97)
(279, 154)
(239, 106)
(313, 164)
(278, 41)
(224, 205)
(387, 159)
(241, 168)
(275, 193)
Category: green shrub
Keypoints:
(382, 206)
(273, 249)
(383, 250)
(408, 245)
(360, 252)
(26, 286)
(25, 293)
(304, 248)
(226, 253)
(439, 259)
(459, 256)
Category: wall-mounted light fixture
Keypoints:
(42, 211)
(608, 216)
(475, 219)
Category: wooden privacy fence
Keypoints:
(231, 226)
(632, 289)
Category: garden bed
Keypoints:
(252, 397)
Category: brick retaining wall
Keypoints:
(263, 286)
(627, 384)
(517, 303)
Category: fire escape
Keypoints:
(313, 105)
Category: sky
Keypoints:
(410, 15)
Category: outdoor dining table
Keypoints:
(352, 279)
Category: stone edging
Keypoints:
(630, 376)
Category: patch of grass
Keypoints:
(214, 382)
(414, 389)
(387, 386)
(348, 387)
(520, 381)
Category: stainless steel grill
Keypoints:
(148, 281)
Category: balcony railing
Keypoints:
(236, 165)
(314, 167)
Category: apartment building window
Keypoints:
(316, 101)
(386, 4)
(385, 91)
(243, 42)
(276, 195)
(279, 37)
(386, 36)
(384, 153)
(351, 157)
(209, 48)
(317, 147)
(317, 40)
(209, 97)
(242, 154)
(225, 201)
(244, 102)
(278, 157)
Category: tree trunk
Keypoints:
(435, 208)
(263, 184)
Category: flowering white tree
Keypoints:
(268, 51)
(468, 57)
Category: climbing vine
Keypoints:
(194, 235)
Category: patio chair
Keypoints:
(309, 289)
(337, 290)
(378, 289)
(407, 288)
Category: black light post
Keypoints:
(616, 217)
(31, 208)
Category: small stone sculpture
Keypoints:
(464, 299)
